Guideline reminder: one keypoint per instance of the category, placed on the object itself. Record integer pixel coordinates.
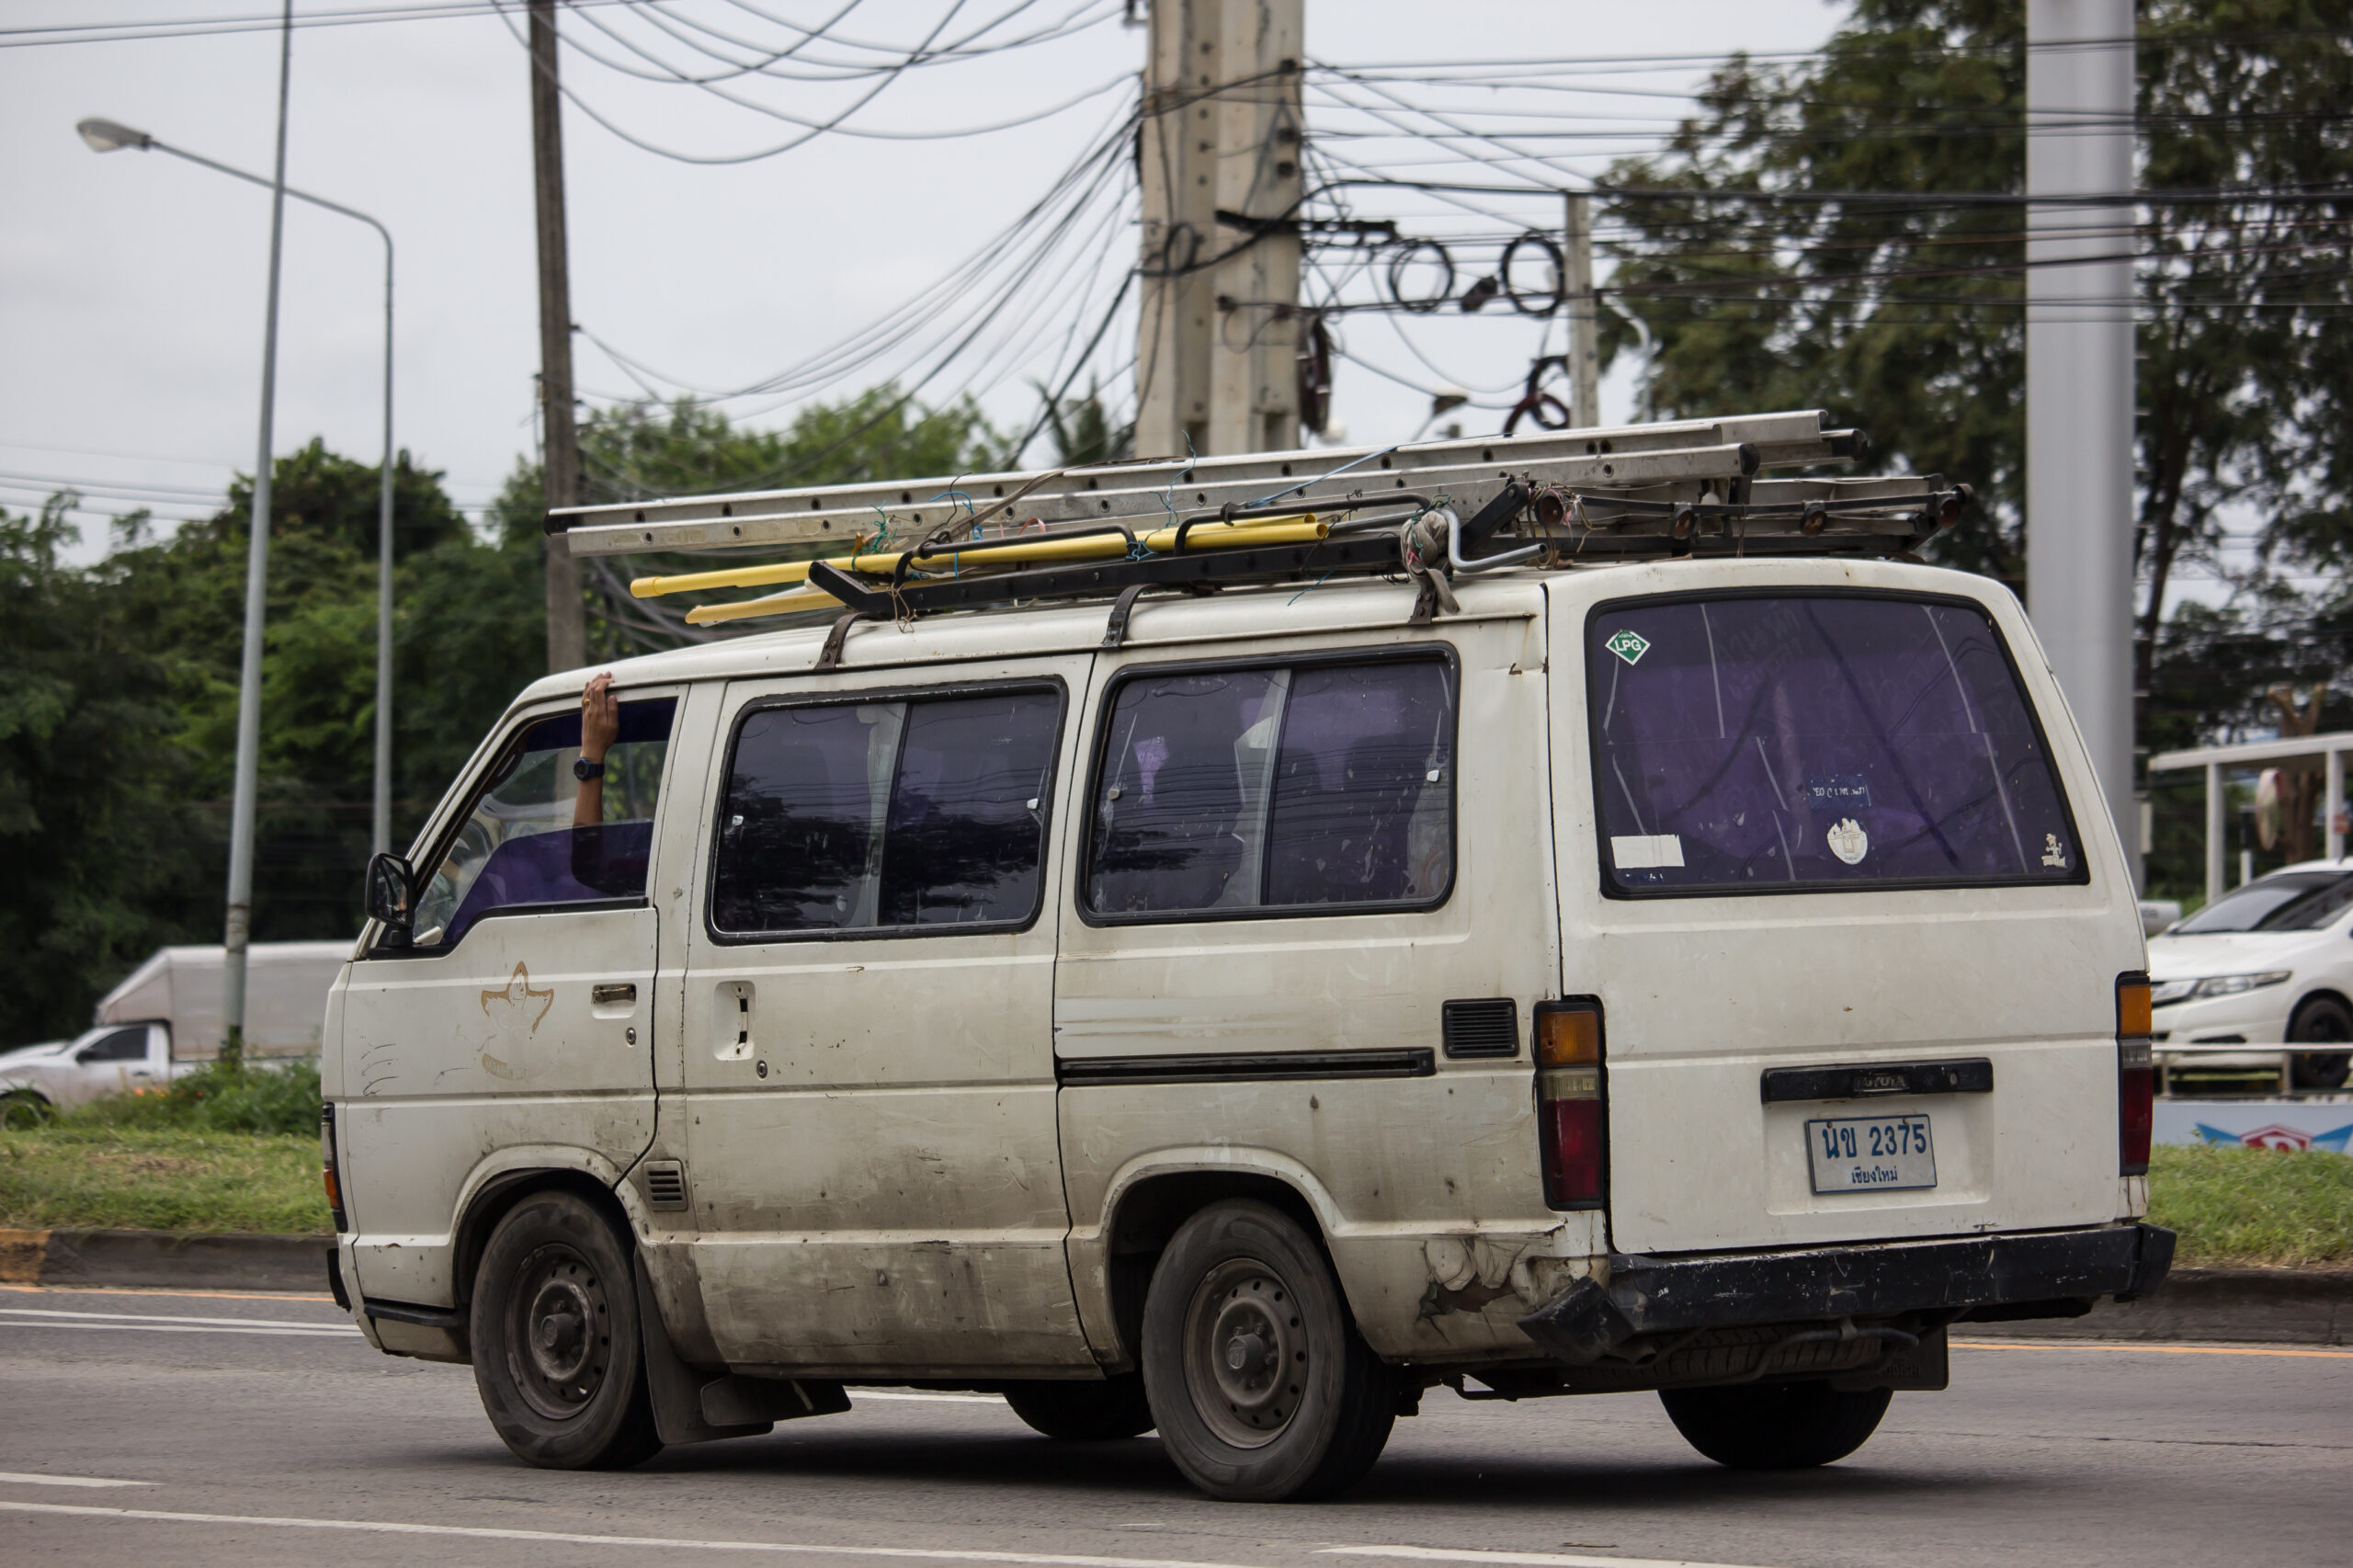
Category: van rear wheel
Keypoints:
(1775, 1425)
(1260, 1385)
(1084, 1412)
(556, 1352)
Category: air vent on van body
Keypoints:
(665, 1184)
(1489, 1027)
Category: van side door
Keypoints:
(516, 1029)
(869, 1087)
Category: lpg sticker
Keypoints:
(1848, 840)
(1628, 644)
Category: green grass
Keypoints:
(72, 1175)
(2248, 1207)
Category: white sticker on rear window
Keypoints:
(1647, 851)
(1848, 840)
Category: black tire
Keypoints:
(1262, 1388)
(1084, 1412)
(21, 1110)
(1775, 1425)
(556, 1350)
(2324, 1020)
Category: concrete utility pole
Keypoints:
(2079, 382)
(1585, 316)
(560, 460)
(1217, 362)
(246, 793)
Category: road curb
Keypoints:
(2282, 1306)
(195, 1261)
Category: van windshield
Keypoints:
(1757, 744)
(518, 847)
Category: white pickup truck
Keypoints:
(164, 1019)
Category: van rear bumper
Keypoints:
(2034, 1274)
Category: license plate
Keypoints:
(1871, 1153)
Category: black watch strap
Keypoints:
(584, 770)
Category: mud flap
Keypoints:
(691, 1406)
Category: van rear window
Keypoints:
(1793, 742)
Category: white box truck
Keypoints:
(164, 1019)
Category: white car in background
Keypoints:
(2267, 964)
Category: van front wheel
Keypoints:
(556, 1350)
(1260, 1385)
(1775, 1425)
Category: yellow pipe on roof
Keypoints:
(751, 609)
(1093, 547)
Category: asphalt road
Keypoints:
(241, 1431)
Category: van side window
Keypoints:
(1759, 743)
(1290, 788)
(519, 849)
(885, 815)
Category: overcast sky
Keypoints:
(131, 284)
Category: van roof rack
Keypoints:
(1429, 510)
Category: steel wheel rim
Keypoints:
(559, 1341)
(1247, 1361)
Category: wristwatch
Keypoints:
(584, 770)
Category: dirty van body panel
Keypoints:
(1305, 1045)
(1716, 971)
(867, 1093)
(527, 1042)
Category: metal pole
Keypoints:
(1577, 293)
(2214, 845)
(380, 836)
(237, 927)
(560, 465)
(2334, 805)
(2079, 371)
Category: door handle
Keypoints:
(612, 995)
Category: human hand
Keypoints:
(600, 717)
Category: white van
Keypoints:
(1625, 929)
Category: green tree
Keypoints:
(94, 825)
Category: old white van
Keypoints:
(1543, 917)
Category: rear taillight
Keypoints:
(2136, 1088)
(1572, 1110)
(328, 1169)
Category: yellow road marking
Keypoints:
(2157, 1349)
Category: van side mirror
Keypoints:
(390, 896)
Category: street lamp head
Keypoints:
(107, 136)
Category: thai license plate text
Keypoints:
(1871, 1153)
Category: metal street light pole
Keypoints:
(107, 136)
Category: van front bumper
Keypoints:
(2029, 1274)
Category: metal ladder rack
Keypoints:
(1668, 489)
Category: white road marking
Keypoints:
(1524, 1559)
(18, 1479)
(799, 1548)
(857, 1394)
(157, 1323)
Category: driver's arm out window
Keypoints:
(517, 847)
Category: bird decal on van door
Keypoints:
(517, 993)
